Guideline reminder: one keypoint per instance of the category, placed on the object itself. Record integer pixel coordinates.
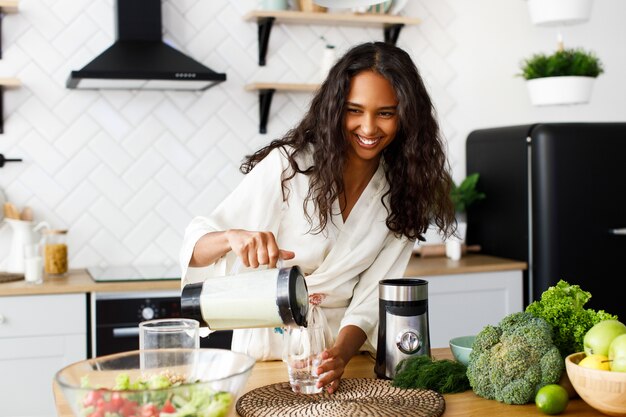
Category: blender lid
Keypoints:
(190, 302)
(292, 296)
(403, 289)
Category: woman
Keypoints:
(343, 195)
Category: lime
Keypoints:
(551, 399)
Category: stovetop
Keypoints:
(134, 273)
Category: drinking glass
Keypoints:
(33, 264)
(453, 249)
(303, 354)
(169, 333)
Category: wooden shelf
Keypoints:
(10, 82)
(8, 6)
(266, 92)
(6, 83)
(282, 87)
(391, 24)
(313, 18)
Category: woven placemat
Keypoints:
(10, 276)
(357, 397)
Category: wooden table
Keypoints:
(362, 366)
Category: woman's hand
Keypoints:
(256, 248)
(334, 360)
(331, 369)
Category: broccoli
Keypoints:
(511, 361)
(562, 307)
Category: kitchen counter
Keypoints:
(472, 263)
(79, 281)
(362, 366)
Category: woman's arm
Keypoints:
(255, 204)
(253, 248)
(349, 341)
(209, 248)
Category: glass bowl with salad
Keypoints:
(156, 383)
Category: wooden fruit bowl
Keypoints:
(603, 390)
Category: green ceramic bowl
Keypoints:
(461, 347)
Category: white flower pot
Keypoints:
(559, 12)
(559, 90)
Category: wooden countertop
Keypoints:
(420, 267)
(79, 281)
(463, 404)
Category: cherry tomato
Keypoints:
(128, 409)
(149, 410)
(116, 401)
(92, 397)
(168, 407)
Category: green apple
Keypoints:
(599, 337)
(617, 354)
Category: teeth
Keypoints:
(367, 141)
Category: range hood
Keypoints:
(139, 59)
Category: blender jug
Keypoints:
(275, 297)
(403, 323)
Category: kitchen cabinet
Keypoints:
(39, 334)
(464, 296)
(461, 305)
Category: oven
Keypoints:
(115, 318)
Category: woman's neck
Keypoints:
(356, 175)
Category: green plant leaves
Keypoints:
(466, 193)
(568, 62)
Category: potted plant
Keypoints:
(559, 12)
(465, 194)
(462, 196)
(564, 77)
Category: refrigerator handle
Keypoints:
(621, 231)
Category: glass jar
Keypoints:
(55, 251)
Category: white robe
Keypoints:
(344, 263)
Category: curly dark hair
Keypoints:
(415, 162)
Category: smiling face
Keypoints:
(371, 119)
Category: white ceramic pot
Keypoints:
(559, 12)
(274, 5)
(24, 234)
(559, 90)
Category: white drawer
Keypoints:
(41, 315)
(28, 367)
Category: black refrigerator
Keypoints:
(556, 199)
